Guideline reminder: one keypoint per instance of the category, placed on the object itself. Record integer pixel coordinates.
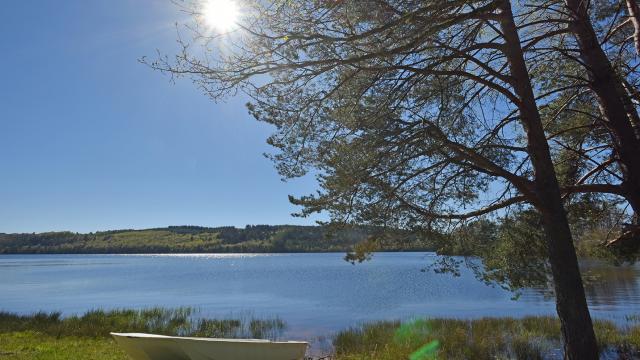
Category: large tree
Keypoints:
(408, 111)
(597, 44)
(615, 103)
(593, 86)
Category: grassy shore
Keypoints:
(488, 338)
(50, 336)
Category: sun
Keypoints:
(220, 14)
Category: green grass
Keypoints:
(51, 336)
(180, 321)
(487, 338)
(33, 345)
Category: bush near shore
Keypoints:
(50, 336)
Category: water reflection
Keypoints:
(315, 294)
(608, 285)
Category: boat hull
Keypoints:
(158, 347)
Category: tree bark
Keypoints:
(571, 304)
(633, 99)
(634, 16)
(614, 100)
(634, 201)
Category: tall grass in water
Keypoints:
(489, 338)
(180, 322)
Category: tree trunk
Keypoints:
(571, 304)
(633, 99)
(634, 201)
(634, 16)
(613, 98)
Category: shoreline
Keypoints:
(42, 335)
(221, 253)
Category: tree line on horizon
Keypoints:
(197, 239)
(493, 241)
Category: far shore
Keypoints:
(219, 253)
(198, 240)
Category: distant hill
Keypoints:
(196, 239)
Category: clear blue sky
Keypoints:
(92, 140)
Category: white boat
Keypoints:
(159, 347)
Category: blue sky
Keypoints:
(92, 140)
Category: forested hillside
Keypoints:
(196, 239)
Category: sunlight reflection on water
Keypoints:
(206, 256)
(315, 294)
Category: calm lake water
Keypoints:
(316, 294)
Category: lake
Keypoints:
(316, 294)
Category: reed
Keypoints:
(487, 338)
(182, 321)
(53, 336)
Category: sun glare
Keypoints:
(220, 14)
